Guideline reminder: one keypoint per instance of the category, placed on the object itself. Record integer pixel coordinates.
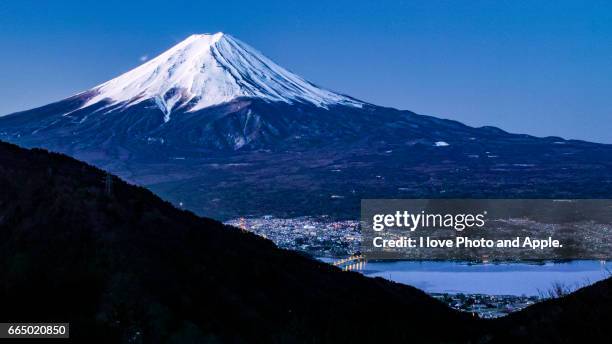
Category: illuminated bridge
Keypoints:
(354, 262)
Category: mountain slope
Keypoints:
(215, 125)
(579, 317)
(126, 266)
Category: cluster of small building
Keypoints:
(318, 236)
(486, 306)
(324, 237)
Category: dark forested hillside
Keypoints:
(581, 317)
(125, 266)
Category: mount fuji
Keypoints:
(208, 70)
(215, 126)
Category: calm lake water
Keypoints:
(492, 279)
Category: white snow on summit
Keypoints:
(205, 70)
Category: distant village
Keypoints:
(317, 236)
(486, 306)
(322, 237)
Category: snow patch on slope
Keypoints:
(206, 70)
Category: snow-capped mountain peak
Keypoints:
(209, 69)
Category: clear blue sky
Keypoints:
(543, 68)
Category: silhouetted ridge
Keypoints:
(125, 265)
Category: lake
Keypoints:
(492, 279)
